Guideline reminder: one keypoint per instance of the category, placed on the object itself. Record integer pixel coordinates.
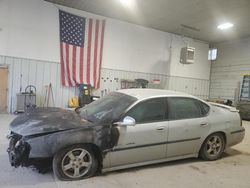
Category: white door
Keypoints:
(188, 125)
(146, 140)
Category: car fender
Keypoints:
(104, 137)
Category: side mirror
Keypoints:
(127, 121)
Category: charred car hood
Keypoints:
(45, 120)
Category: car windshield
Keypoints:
(108, 108)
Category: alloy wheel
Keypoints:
(214, 145)
(76, 163)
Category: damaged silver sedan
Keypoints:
(124, 129)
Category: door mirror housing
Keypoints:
(127, 121)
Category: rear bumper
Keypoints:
(236, 136)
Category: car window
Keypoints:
(107, 108)
(183, 108)
(205, 108)
(149, 111)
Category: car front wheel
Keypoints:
(213, 147)
(74, 163)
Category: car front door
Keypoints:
(146, 140)
(188, 124)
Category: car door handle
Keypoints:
(204, 124)
(160, 128)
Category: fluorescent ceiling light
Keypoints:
(225, 26)
(127, 3)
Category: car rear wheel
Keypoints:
(74, 163)
(213, 147)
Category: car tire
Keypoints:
(213, 147)
(75, 162)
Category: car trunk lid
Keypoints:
(229, 108)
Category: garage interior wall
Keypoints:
(29, 44)
(231, 64)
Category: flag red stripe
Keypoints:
(81, 65)
(74, 63)
(62, 65)
(89, 50)
(95, 52)
(102, 39)
(67, 64)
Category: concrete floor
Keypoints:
(233, 170)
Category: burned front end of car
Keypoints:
(36, 135)
(18, 150)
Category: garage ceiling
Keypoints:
(199, 17)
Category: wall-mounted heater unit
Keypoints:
(187, 55)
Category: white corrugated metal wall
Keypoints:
(233, 61)
(225, 80)
(23, 72)
(196, 87)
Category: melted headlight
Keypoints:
(18, 143)
(18, 151)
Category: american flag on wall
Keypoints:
(81, 46)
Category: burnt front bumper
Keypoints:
(18, 151)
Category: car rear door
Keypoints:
(146, 140)
(188, 124)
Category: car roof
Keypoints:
(142, 94)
